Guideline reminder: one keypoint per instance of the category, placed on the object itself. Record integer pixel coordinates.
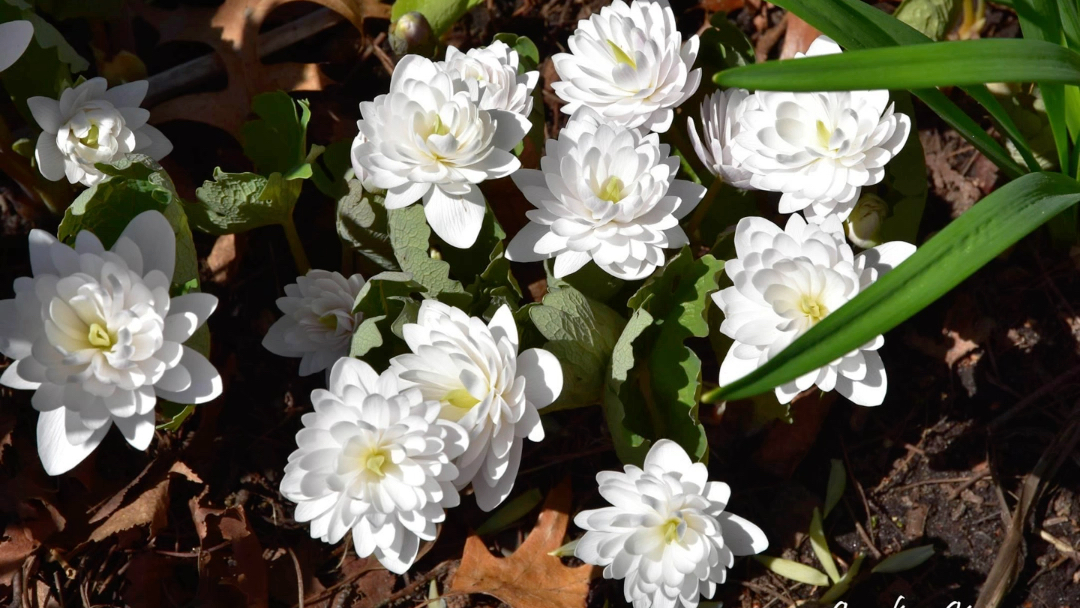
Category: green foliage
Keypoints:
(821, 547)
(277, 141)
(962, 62)
(332, 171)
(511, 512)
(362, 225)
(834, 491)
(931, 17)
(724, 46)
(904, 560)
(961, 248)
(410, 238)
(906, 186)
(441, 14)
(800, 573)
(526, 50)
(581, 333)
(654, 380)
(47, 65)
(386, 303)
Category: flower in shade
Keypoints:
(784, 283)
(720, 124)
(628, 63)
(373, 459)
(319, 320)
(863, 226)
(93, 124)
(15, 36)
(475, 373)
(818, 149)
(428, 140)
(667, 532)
(605, 193)
(95, 334)
(491, 76)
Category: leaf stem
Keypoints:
(296, 247)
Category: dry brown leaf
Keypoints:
(232, 30)
(786, 445)
(151, 508)
(224, 258)
(530, 578)
(241, 566)
(798, 37)
(37, 521)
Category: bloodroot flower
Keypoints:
(491, 76)
(720, 124)
(604, 193)
(373, 459)
(93, 124)
(819, 149)
(96, 335)
(15, 36)
(667, 533)
(473, 370)
(319, 321)
(429, 140)
(785, 281)
(628, 63)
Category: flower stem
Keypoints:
(296, 247)
(694, 227)
(712, 396)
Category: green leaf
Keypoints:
(526, 50)
(931, 17)
(410, 238)
(904, 560)
(467, 264)
(821, 547)
(957, 251)
(238, 202)
(1039, 22)
(511, 512)
(840, 588)
(591, 280)
(384, 299)
(914, 66)
(906, 185)
(625, 409)
(47, 65)
(277, 141)
(441, 14)
(837, 483)
(173, 414)
(362, 225)
(581, 333)
(724, 45)
(332, 172)
(800, 573)
(857, 25)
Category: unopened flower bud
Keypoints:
(863, 226)
(412, 34)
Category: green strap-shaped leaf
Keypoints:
(961, 248)
(915, 66)
(857, 25)
(1039, 21)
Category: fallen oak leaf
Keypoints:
(530, 578)
(151, 508)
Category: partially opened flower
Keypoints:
(319, 320)
(491, 76)
(604, 193)
(474, 371)
(15, 36)
(819, 149)
(93, 124)
(373, 459)
(667, 532)
(785, 282)
(720, 114)
(96, 336)
(628, 63)
(428, 140)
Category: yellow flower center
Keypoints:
(99, 337)
(329, 321)
(824, 135)
(374, 461)
(91, 139)
(672, 530)
(461, 398)
(813, 308)
(611, 190)
(439, 128)
(622, 56)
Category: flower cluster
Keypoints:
(383, 456)
(95, 334)
(442, 130)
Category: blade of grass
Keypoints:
(961, 248)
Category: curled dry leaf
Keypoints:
(530, 578)
(232, 30)
(230, 556)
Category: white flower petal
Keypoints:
(15, 36)
(543, 376)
